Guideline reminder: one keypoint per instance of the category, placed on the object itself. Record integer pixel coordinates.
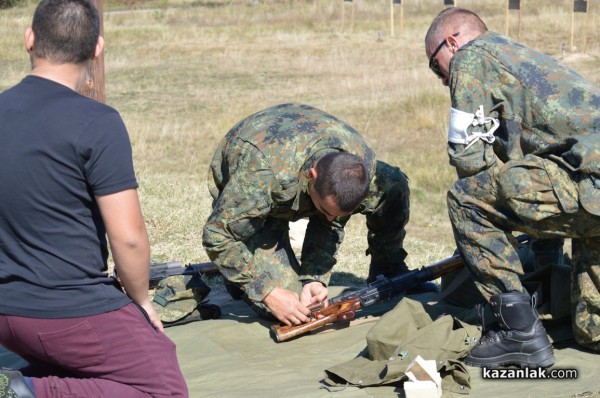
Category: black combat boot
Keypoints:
(520, 338)
(13, 385)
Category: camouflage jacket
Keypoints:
(543, 107)
(260, 170)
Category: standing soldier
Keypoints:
(524, 138)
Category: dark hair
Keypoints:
(454, 19)
(66, 31)
(344, 176)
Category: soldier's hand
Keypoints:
(286, 306)
(314, 293)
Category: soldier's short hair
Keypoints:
(345, 177)
(66, 31)
(454, 19)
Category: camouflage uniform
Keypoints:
(539, 173)
(258, 179)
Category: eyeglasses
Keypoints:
(434, 65)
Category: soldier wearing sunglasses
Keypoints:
(524, 138)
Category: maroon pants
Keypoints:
(116, 354)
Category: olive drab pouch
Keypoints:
(179, 299)
(402, 334)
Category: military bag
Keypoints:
(180, 299)
(402, 334)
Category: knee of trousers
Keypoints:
(586, 324)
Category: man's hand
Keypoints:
(314, 293)
(154, 318)
(286, 306)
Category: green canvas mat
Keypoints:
(235, 356)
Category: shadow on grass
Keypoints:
(209, 4)
(346, 279)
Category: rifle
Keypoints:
(159, 271)
(345, 306)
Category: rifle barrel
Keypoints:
(161, 272)
(207, 268)
(166, 265)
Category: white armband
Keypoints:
(460, 121)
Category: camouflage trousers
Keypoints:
(537, 197)
(273, 252)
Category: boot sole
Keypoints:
(543, 358)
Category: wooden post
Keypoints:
(506, 16)
(351, 15)
(95, 85)
(572, 28)
(585, 27)
(343, 13)
(393, 4)
(579, 6)
(401, 18)
(519, 28)
(513, 5)
(391, 18)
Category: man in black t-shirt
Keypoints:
(67, 183)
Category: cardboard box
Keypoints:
(425, 381)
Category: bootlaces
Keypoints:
(493, 336)
(494, 332)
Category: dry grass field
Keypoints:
(183, 72)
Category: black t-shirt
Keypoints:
(58, 150)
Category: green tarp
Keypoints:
(235, 356)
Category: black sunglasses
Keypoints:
(433, 63)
